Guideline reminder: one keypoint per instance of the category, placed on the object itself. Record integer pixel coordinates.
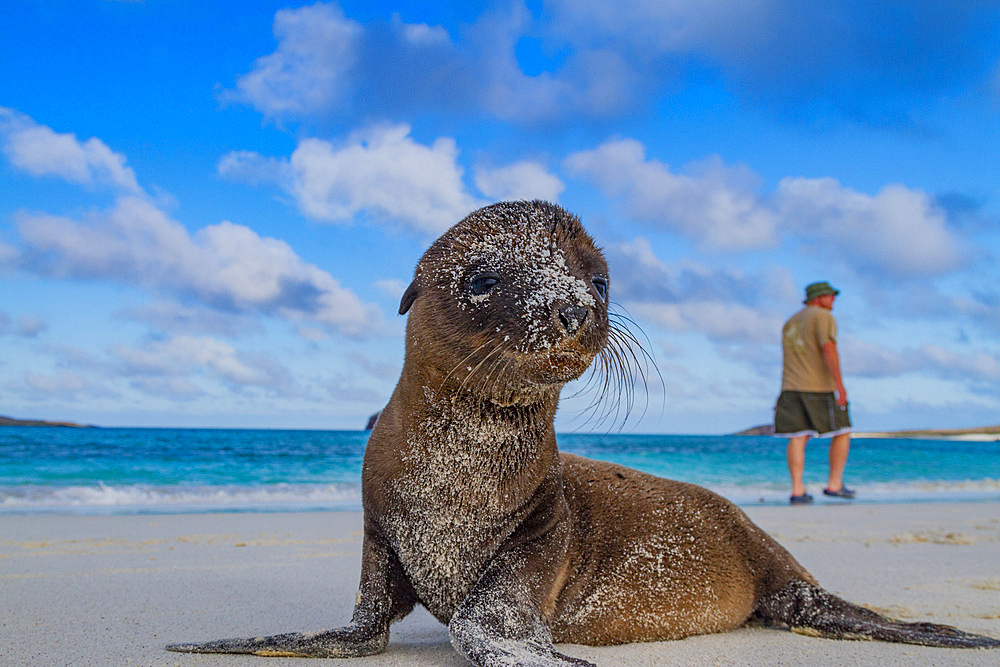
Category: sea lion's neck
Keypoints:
(530, 407)
(450, 435)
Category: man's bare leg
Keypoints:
(796, 455)
(839, 448)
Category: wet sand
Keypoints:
(113, 590)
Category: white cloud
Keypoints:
(384, 173)
(716, 205)
(420, 34)
(226, 265)
(184, 354)
(179, 317)
(719, 321)
(326, 63)
(380, 173)
(309, 71)
(725, 305)
(521, 180)
(40, 151)
(899, 231)
(252, 168)
(65, 384)
(637, 274)
(949, 363)
(863, 359)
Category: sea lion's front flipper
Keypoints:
(349, 642)
(384, 596)
(500, 622)
(809, 609)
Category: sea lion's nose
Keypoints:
(572, 317)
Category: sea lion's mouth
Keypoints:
(557, 365)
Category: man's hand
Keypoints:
(841, 395)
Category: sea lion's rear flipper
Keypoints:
(384, 596)
(809, 609)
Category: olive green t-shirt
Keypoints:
(802, 340)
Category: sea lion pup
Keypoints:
(471, 511)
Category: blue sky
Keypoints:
(209, 211)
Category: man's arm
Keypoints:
(832, 359)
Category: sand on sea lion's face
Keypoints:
(509, 341)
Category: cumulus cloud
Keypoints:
(715, 204)
(310, 69)
(637, 274)
(725, 305)
(798, 56)
(40, 151)
(253, 168)
(328, 63)
(521, 180)
(871, 360)
(979, 365)
(179, 317)
(726, 322)
(899, 231)
(860, 358)
(226, 265)
(380, 172)
(183, 355)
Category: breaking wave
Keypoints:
(180, 498)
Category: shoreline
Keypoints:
(958, 437)
(115, 589)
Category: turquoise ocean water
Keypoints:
(127, 471)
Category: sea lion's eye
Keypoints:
(601, 285)
(483, 282)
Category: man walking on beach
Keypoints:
(813, 401)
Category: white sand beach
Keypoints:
(113, 590)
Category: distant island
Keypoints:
(10, 421)
(981, 433)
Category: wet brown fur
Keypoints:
(470, 510)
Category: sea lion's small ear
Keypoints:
(408, 298)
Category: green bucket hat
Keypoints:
(814, 290)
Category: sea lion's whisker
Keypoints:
(495, 372)
(463, 362)
(472, 371)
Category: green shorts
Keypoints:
(810, 413)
